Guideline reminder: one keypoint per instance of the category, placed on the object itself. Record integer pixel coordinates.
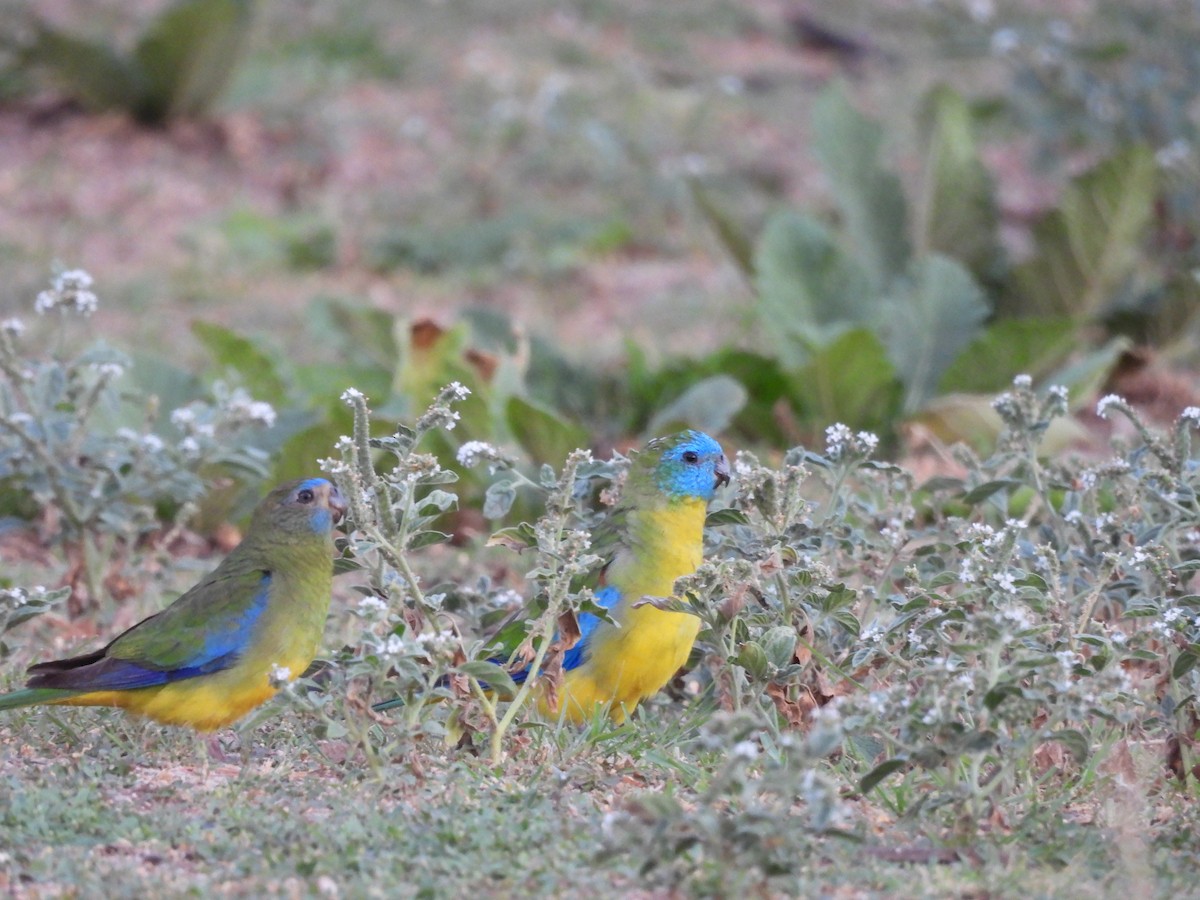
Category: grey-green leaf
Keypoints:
(930, 317)
(847, 144)
(809, 290)
(708, 405)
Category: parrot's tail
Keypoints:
(34, 696)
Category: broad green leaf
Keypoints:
(297, 457)
(708, 405)
(355, 329)
(970, 418)
(929, 318)
(172, 385)
(92, 73)
(426, 538)
(1009, 347)
(1075, 741)
(762, 376)
(809, 291)
(188, 53)
(499, 499)
(428, 357)
(732, 236)
(257, 370)
(984, 491)
(957, 210)
(966, 418)
(1090, 246)
(1084, 376)
(847, 145)
(880, 772)
(851, 381)
(546, 437)
(490, 674)
(725, 517)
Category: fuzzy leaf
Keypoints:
(880, 772)
(851, 381)
(188, 54)
(545, 436)
(1089, 247)
(732, 237)
(708, 405)
(809, 291)
(490, 674)
(928, 320)
(1009, 347)
(958, 209)
(90, 72)
(257, 370)
(847, 144)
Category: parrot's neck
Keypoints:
(663, 543)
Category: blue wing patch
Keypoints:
(224, 641)
(608, 597)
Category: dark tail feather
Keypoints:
(34, 696)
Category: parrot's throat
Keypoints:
(665, 542)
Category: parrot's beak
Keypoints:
(337, 505)
(722, 472)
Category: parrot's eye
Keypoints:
(691, 456)
(305, 496)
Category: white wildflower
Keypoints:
(472, 453)
(350, 394)
(1173, 154)
(152, 443)
(747, 750)
(1191, 415)
(110, 370)
(279, 676)
(1105, 402)
(371, 607)
(457, 391)
(14, 327)
(1023, 381)
(1006, 582)
(394, 645)
(183, 418)
(1005, 41)
(838, 438)
(249, 410)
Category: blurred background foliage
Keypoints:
(736, 218)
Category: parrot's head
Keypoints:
(304, 507)
(689, 464)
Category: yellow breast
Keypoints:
(628, 663)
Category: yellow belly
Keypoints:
(628, 664)
(206, 702)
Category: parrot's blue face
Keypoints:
(316, 501)
(691, 464)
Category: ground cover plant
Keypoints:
(982, 682)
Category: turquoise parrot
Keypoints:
(208, 658)
(654, 536)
